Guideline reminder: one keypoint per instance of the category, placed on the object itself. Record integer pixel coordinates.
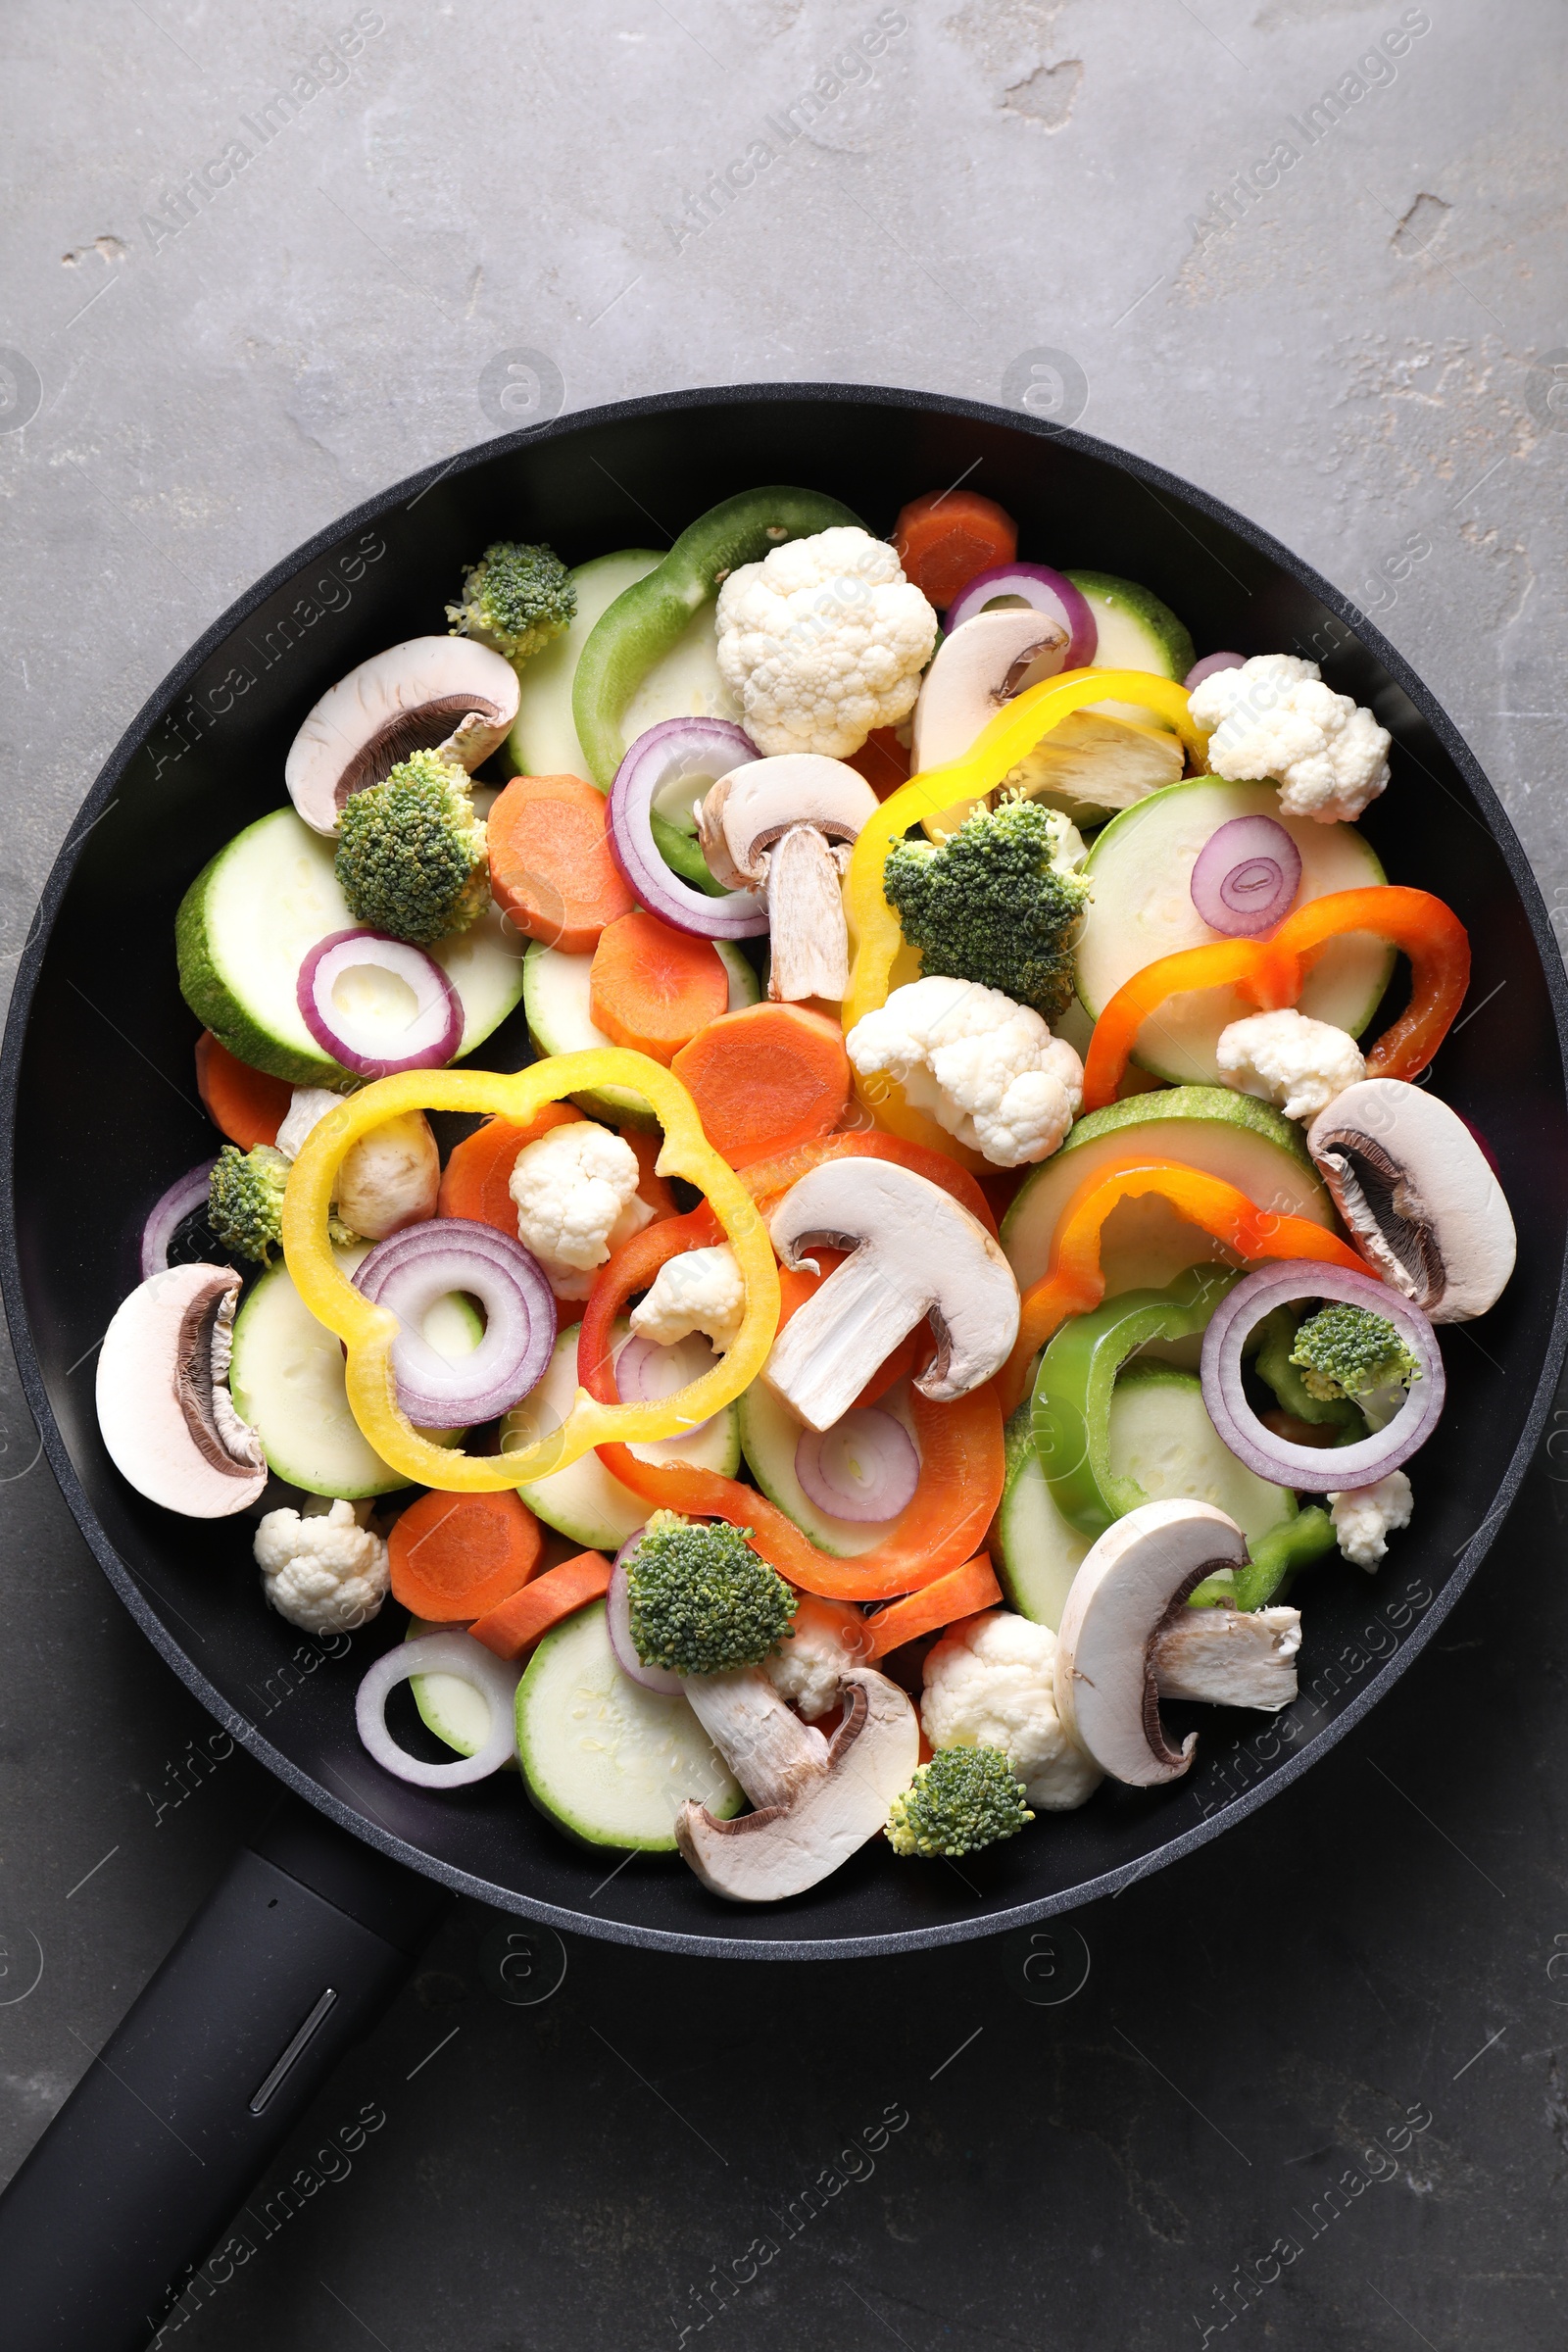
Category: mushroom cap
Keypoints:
(785, 1848)
(413, 698)
(983, 664)
(1416, 1191)
(759, 803)
(909, 1240)
(163, 1406)
(1140, 1569)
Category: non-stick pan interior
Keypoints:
(103, 1111)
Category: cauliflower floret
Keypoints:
(1274, 718)
(576, 1196)
(308, 1106)
(805, 1671)
(822, 641)
(1366, 1516)
(1281, 1057)
(325, 1574)
(991, 1684)
(987, 1069)
(701, 1290)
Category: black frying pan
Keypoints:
(159, 2146)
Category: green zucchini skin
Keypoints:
(646, 618)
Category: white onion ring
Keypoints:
(440, 1653)
(177, 1203)
(678, 746)
(429, 1041)
(827, 1464)
(1320, 1470)
(618, 1619)
(1245, 877)
(1047, 590)
(410, 1270)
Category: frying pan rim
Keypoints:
(719, 1946)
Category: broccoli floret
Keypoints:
(1276, 1336)
(702, 1601)
(965, 1798)
(245, 1203)
(514, 599)
(410, 857)
(1349, 1352)
(996, 902)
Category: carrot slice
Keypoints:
(475, 1178)
(243, 1104)
(960, 1594)
(653, 987)
(882, 760)
(945, 538)
(550, 864)
(517, 1623)
(766, 1078)
(455, 1556)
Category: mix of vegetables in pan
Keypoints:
(946, 1261)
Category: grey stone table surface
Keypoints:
(1309, 254)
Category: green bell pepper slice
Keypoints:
(641, 624)
(1077, 1375)
(1290, 1545)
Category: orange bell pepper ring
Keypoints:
(1273, 972)
(1074, 1282)
(961, 1458)
(951, 791)
(369, 1332)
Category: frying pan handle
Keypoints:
(294, 1956)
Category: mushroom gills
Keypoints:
(1418, 1196)
(168, 1420)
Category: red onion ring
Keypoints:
(1341, 1468)
(1047, 590)
(617, 1619)
(1208, 666)
(678, 746)
(1245, 877)
(863, 1468)
(440, 1653)
(430, 1038)
(410, 1270)
(177, 1202)
(647, 1373)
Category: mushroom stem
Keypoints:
(770, 1751)
(1229, 1657)
(830, 1346)
(811, 939)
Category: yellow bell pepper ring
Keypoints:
(368, 1331)
(876, 938)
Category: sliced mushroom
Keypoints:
(914, 1253)
(786, 827)
(163, 1406)
(982, 665)
(1414, 1189)
(429, 694)
(1229, 1657)
(827, 1815)
(1139, 1571)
